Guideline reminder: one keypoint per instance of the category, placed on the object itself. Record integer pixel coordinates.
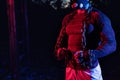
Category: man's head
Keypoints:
(81, 4)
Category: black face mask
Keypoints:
(83, 4)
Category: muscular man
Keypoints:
(85, 36)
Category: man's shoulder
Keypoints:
(100, 14)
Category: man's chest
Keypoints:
(79, 25)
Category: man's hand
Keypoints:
(63, 53)
(78, 56)
(85, 58)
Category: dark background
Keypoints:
(43, 27)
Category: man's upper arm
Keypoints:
(108, 42)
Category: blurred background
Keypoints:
(29, 29)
